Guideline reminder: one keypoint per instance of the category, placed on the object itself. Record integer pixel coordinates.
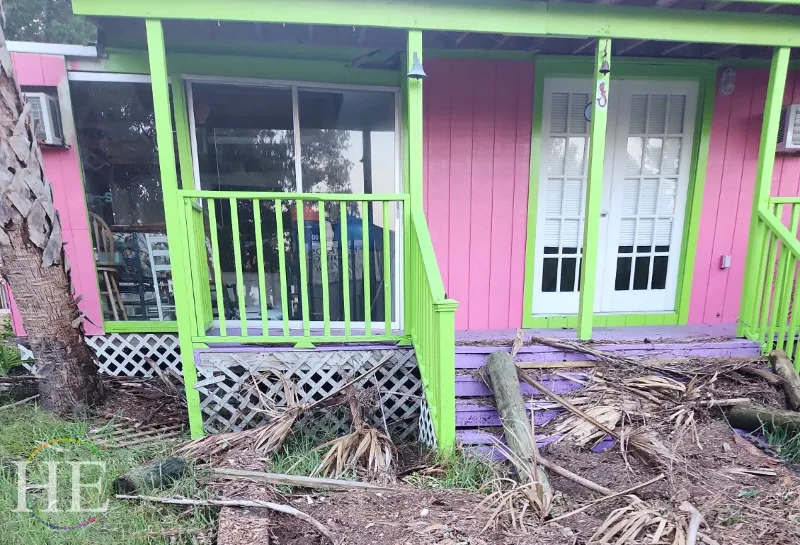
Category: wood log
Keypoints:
(297, 480)
(500, 374)
(754, 417)
(791, 380)
(154, 475)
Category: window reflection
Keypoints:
(246, 141)
(116, 137)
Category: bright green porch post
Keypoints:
(594, 189)
(766, 159)
(414, 108)
(173, 215)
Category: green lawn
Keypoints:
(24, 429)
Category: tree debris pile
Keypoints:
(663, 418)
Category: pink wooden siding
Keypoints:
(728, 197)
(63, 170)
(477, 116)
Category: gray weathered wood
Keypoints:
(296, 480)
(500, 374)
(753, 417)
(791, 380)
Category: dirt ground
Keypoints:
(739, 508)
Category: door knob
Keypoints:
(603, 213)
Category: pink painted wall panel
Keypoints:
(728, 194)
(477, 152)
(63, 170)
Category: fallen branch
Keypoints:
(611, 497)
(567, 474)
(18, 403)
(280, 508)
(296, 480)
(694, 522)
(791, 380)
(754, 417)
(762, 373)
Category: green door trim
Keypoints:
(560, 66)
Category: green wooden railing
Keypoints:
(232, 235)
(769, 314)
(431, 318)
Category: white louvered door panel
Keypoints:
(562, 193)
(649, 184)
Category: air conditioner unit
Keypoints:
(46, 119)
(789, 129)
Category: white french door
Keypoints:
(646, 178)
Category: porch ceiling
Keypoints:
(380, 46)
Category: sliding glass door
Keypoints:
(287, 138)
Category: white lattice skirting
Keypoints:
(136, 355)
(427, 433)
(132, 354)
(233, 385)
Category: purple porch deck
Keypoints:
(476, 418)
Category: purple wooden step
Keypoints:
(472, 415)
(474, 357)
(470, 386)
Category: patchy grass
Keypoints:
(786, 442)
(24, 429)
(458, 470)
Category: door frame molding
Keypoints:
(569, 66)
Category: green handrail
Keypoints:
(220, 230)
(772, 318)
(432, 324)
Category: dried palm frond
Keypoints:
(365, 448)
(580, 431)
(511, 501)
(264, 439)
(646, 446)
(640, 522)
(657, 383)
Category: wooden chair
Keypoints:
(107, 266)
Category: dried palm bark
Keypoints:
(33, 261)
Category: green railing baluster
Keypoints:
(301, 242)
(219, 285)
(387, 270)
(793, 287)
(345, 267)
(365, 268)
(323, 262)
(237, 263)
(768, 292)
(282, 265)
(262, 282)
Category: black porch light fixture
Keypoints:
(416, 71)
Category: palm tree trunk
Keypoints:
(33, 261)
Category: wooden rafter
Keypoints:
(717, 50)
(501, 41)
(585, 45)
(630, 47)
(361, 35)
(675, 48)
(461, 38)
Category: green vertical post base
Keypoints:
(763, 185)
(594, 189)
(173, 216)
(304, 344)
(404, 342)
